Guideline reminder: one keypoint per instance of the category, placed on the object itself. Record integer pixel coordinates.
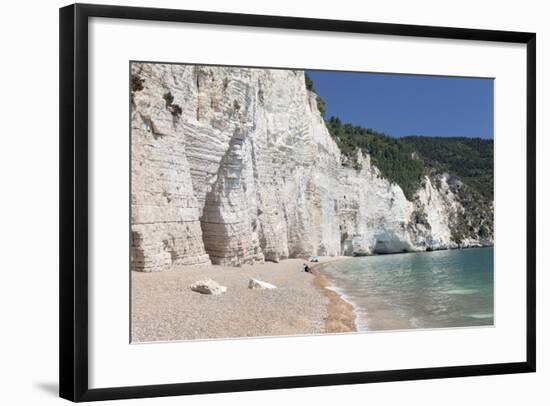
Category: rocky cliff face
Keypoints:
(236, 165)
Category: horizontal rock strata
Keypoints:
(235, 165)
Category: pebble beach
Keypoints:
(164, 308)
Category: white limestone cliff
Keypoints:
(236, 165)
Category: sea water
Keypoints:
(452, 288)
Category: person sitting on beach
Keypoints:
(306, 268)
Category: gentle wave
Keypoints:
(461, 291)
(482, 316)
(360, 324)
(421, 290)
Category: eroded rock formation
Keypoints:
(236, 165)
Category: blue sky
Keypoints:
(402, 105)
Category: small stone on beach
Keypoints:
(257, 284)
(208, 287)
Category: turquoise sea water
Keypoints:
(452, 288)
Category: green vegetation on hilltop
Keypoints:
(470, 159)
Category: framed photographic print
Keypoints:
(256, 202)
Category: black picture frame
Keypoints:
(73, 254)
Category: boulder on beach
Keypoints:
(208, 287)
(257, 284)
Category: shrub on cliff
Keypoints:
(396, 160)
(309, 83)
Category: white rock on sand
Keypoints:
(162, 311)
(208, 287)
(257, 284)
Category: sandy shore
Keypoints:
(165, 309)
(341, 317)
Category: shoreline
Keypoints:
(163, 307)
(341, 314)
